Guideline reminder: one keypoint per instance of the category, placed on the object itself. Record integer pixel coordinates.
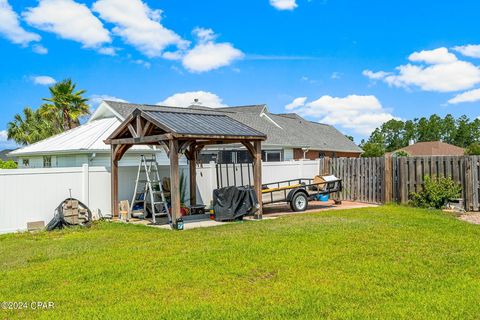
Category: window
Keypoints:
(47, 161)
(272, 156)
(26, 163)
(243, 156)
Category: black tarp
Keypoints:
(232, 203)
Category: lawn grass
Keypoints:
(387, 262)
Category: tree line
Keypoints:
(60, 112)
(395, 134)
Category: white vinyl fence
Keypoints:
(208, 180)
(28, 195)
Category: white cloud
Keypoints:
(336, 75)
(138, 25)
(436, 56)
(186, 99)
(3, 135)
(297, 102)
(207, 54)
(10, 26)
(108, 51)
(143, 63)
(459, 75)
(469, 50)
(375, 75)
(4, 142)
(43, 80)
(468, 96)
(441, 72)
(361, 114)
(69, 20)
(38, 48)
(284, 4)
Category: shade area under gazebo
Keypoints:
(182, 132)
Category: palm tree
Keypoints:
(66, 106)
(30, 127)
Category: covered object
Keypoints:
(231, 203)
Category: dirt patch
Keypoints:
(470, 217)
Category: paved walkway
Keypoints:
(269, 212)
(313, 206)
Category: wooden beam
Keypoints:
(114, 181)
(122, 127)
(120, 151)
(146, 128)
(184, 146)
(198, 148)
(251, 149)
(257, 177)
(139, 130)
(141, 140)
(174, 181)
(192, 161)
(165, 147)
(132, 131)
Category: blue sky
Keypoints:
(353, 64)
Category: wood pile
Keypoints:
(73, 214)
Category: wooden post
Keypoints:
(257, 176)
(387, 179)
(114, 181)
(193, 176)
(174, 181)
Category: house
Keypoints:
(431, 148)
(290, 137)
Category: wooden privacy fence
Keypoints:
(409, 172)
(392, 179)
(363, 178)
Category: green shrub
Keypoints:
(10, 164)
(401, 153)
(473, 149)
(436, 193)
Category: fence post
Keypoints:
(86, 184)
(387, 179)
(300, 169)
(213, 176)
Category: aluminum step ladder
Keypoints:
(149, 186)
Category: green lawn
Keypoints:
(386, 262)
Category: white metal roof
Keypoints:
(85, 138)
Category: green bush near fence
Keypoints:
(436, 193)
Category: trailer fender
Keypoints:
(292, 193)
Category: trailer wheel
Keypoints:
(299, 202)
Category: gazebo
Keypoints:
(182, 131)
